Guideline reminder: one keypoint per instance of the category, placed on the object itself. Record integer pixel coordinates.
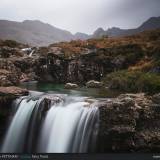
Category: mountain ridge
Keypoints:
(151, 23)
(37, 33)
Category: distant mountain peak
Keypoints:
(99, 30)
(151, 23)
(99, 33)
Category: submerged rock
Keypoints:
(94, 84)
(70, 86)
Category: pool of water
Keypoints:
(59, 89)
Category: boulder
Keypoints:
(94, 84)
(70, 86)
(129, 123)
(13, 91)
(49, 100)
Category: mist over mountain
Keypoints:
(37, 33)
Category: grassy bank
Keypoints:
(133, 81)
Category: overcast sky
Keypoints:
(81, 15)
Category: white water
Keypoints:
(15, 138)
(30, 55)
(69, 127)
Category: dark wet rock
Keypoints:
(56, 68)
(53, 99)
(129, 123)
(48, 101)
(70, 86)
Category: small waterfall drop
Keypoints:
(30, 55)
(68, 126)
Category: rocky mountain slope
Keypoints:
(35, 33)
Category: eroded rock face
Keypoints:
(93, 64)
(9, 74)
(52, 65)
(54, 68)
(129, 123)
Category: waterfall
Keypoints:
(15, 138)
(30, 55)
(45, 126)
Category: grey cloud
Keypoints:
(82, 15)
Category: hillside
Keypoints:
(35, 33)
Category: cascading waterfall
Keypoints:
(68, 126)
(15, 138)
(30, 55)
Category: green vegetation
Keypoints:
(133, 81)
